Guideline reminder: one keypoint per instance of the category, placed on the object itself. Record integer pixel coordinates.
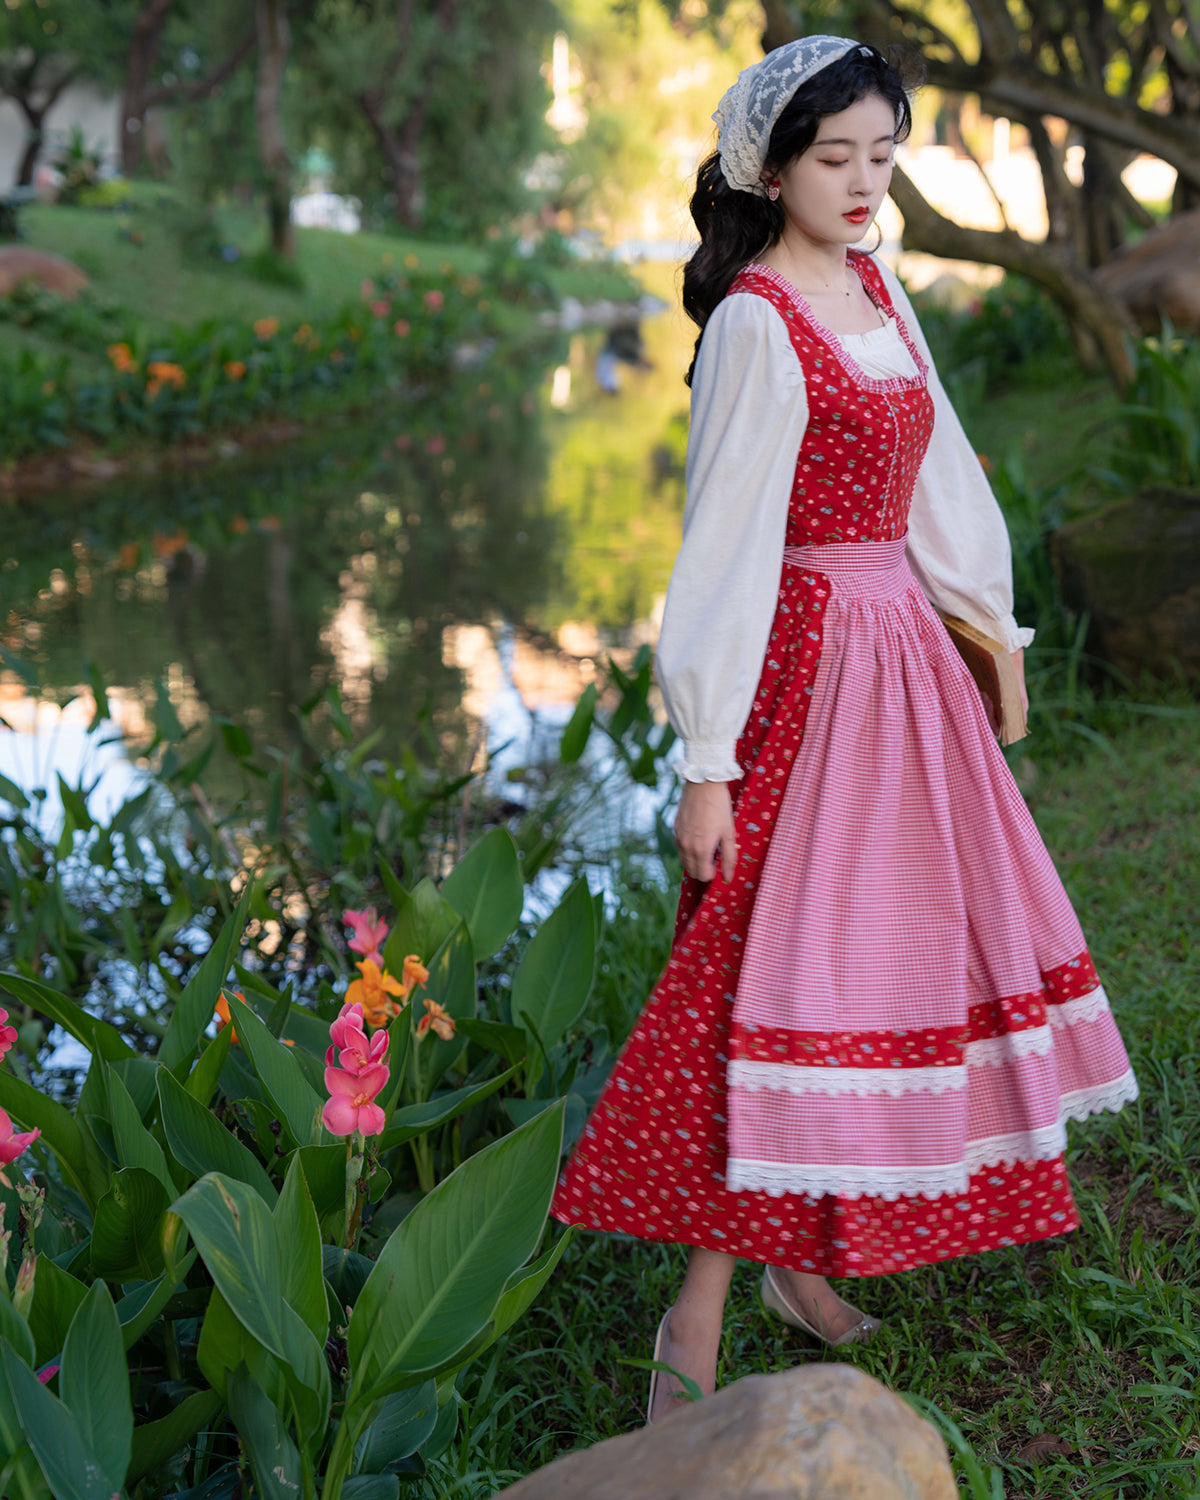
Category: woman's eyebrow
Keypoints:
(838, 141)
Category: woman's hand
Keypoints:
(704, 829)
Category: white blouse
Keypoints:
(749, 414)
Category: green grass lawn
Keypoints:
(161, 280)
(1092, 1338)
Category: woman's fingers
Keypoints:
(704, 830)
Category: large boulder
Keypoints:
(1159, 276)
(19, 263)
(816, 1432)
(1135, 568)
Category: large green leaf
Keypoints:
(96, 1035)
(134, 1144)
(423, 921)
(451, 985)
(404, 1422)
(415, 1119)
(236, 1237)
(235, 1234)
(127, 1232)
(274, 1458)
(554, 978)
(80, 1161)
(486, 889)
(202, 1144)
(371, 1487)
(156, 1442)
(15, 1329)
(142, 1303)
(203, 1079)
(579, 727)
(94, 1384)
(194, 1008)
(56, 1299)
(325, 1173)
(293, 1101)
(72, 1471)
(346, 1273)
(523, 1285)
(296, 1227)
(438, 1278)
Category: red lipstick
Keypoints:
(858, 215)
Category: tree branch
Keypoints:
(211, 83)
(1074, 289)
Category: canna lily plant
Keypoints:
(265, 1245)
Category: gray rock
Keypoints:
(1135, 567)
(816, 1432)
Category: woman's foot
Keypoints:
(809, 1302)
(688, 1344)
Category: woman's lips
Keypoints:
(858, 215)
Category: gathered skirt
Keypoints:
(865, 1047)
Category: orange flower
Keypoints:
(412, 261)
(161, 372)
(48, 387)
(266, 328)
(122, 358)
(413, 974)
(373, 992)
(221, 1011)
(235, 369)
(304, 335)
(169, 546)
(438, 1019)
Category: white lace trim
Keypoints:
(890, 1183)
(789, 1078)
(1111, 1096)
(1042, 1144)
(994, 1051)
(1089, 1007)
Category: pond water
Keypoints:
(457, 566)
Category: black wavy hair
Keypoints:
(736, 226)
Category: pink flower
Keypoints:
(48, 1374)
(350, 1106)
(434, 300)
(436, 444)
(369, 933)
(8, 1034)
(404, 442)
(381, 307)
(353, 1051)
(367, 287)
(12, 1142)
(400, 328)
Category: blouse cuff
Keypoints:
(1013, 636)
(715, 761)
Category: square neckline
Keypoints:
(917, 381)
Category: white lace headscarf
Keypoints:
(749, 109)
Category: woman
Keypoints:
(879, 1009)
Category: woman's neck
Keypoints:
(809, 267)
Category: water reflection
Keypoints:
(440, 563)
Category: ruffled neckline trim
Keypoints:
(888, 385)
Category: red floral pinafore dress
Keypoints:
(808, 1086)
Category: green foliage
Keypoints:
(289, 1225)
(1011, 334)
(1155, 438)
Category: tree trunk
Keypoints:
(274, 37)
(33, 143)
(1087, 306)
(143, 54)
(778, 28)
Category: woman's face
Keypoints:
(833, 191)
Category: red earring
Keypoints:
(773, 191)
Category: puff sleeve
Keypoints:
(749, 413)
(958, 544)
